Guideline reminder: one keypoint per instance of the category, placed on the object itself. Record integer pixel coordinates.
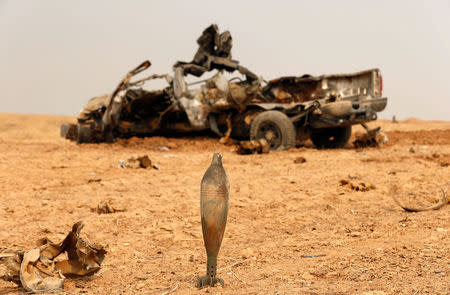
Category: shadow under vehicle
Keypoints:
(285, 111)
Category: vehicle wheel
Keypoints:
(331, 138)
(276, 128)
(68, 131)
(84, 133)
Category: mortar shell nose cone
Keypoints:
(217, 159)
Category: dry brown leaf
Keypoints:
(49, 250)
(10, 261)
(39, 274)
(37, 271)
(89, 256)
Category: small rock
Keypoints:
(144, 162)
(248, 252)
(260, 146)
(436, 155)
(299, 160)
(353, 177)
(344, 181)
(123, 164)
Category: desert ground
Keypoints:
(292, 227)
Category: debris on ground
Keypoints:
(353, 177)
(394, 191)
(39, 273)
(10, 265)
(144, 161)
(92, 180)
(137, 162)
(372, 138)
(313, 256)
(299, 160)
(228, 141)
(361, 187)
(394, 119)
(107, 208)
(123, 164)
(442, 159)
(38, 270)
(260, 146)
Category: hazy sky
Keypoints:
(57, 54)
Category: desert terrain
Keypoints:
(292, 227)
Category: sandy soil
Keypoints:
(280, 211)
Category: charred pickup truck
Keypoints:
(284, 111)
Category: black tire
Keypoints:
(331, 138)
(68, 131)
(276, 128)
(84, 133)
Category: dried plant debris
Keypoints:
(138, 162)
(394, 191)
(38, 273)
(84, 258)
(372, 138)
(38, 270)
(361, 187)
(107, 208)
(260, 146)
(10, 265)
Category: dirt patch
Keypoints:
(420, 137)
(296, 229)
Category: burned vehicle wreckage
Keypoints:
(285, 111)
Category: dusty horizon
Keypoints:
(60, 54)
(400, 120)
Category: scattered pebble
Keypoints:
(299, 160)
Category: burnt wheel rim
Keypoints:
(271, 133)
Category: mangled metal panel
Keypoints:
(226, 107)
(217, 94)
(213, 53)
(306, 88)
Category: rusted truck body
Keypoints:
(285, 111)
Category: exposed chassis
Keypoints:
(285, 111)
